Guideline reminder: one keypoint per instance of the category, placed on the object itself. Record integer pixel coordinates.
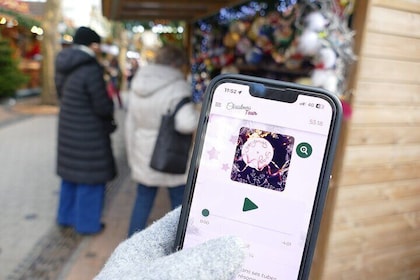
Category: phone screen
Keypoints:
(256, 176)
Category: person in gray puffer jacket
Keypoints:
(85, 160)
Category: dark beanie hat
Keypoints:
(86, 36)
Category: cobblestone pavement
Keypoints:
(31, 245)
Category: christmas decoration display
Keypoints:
(291, 40)
(327, 41)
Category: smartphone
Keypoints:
(260, 170)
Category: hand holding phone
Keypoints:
(260, 171)
(146, 255)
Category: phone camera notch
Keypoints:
(257, 90)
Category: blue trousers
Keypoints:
(80, 206)
(144, 203)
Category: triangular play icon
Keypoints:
(248, 205)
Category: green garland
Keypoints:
(25, 21)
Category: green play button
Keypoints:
(249, 205)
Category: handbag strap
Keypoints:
(181, 103)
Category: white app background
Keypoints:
(273, 223)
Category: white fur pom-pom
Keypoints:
(327, 57)
(315, 21)
(331, 83)
(309, 43)
(318, 77)
(325, 79)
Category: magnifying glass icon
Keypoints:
(304, 150)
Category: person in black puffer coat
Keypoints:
(85, 160)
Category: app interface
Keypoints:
(257, 177)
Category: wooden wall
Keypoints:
(374, 230)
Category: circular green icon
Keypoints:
(304, 150)
(205, 212)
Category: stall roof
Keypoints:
(188, 10)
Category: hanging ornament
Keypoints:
(231, 39)
(315, 21)
(243, 46)
(239, 27)
(347, 110)
(323, 39)
(254, 31)
(209, 64)
(226, 59)
(325, 78)
(325, 59)
(266, 30)
(310, 42)
(229, 69)
(254, 56)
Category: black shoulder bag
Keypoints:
(171, 151)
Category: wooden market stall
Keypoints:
(371, 226)
(374, 230)
(19, 24)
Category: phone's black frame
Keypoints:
(326, 168)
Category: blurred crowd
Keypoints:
(89, 82)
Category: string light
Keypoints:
(37, 30)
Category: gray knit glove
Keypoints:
(147, 255)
